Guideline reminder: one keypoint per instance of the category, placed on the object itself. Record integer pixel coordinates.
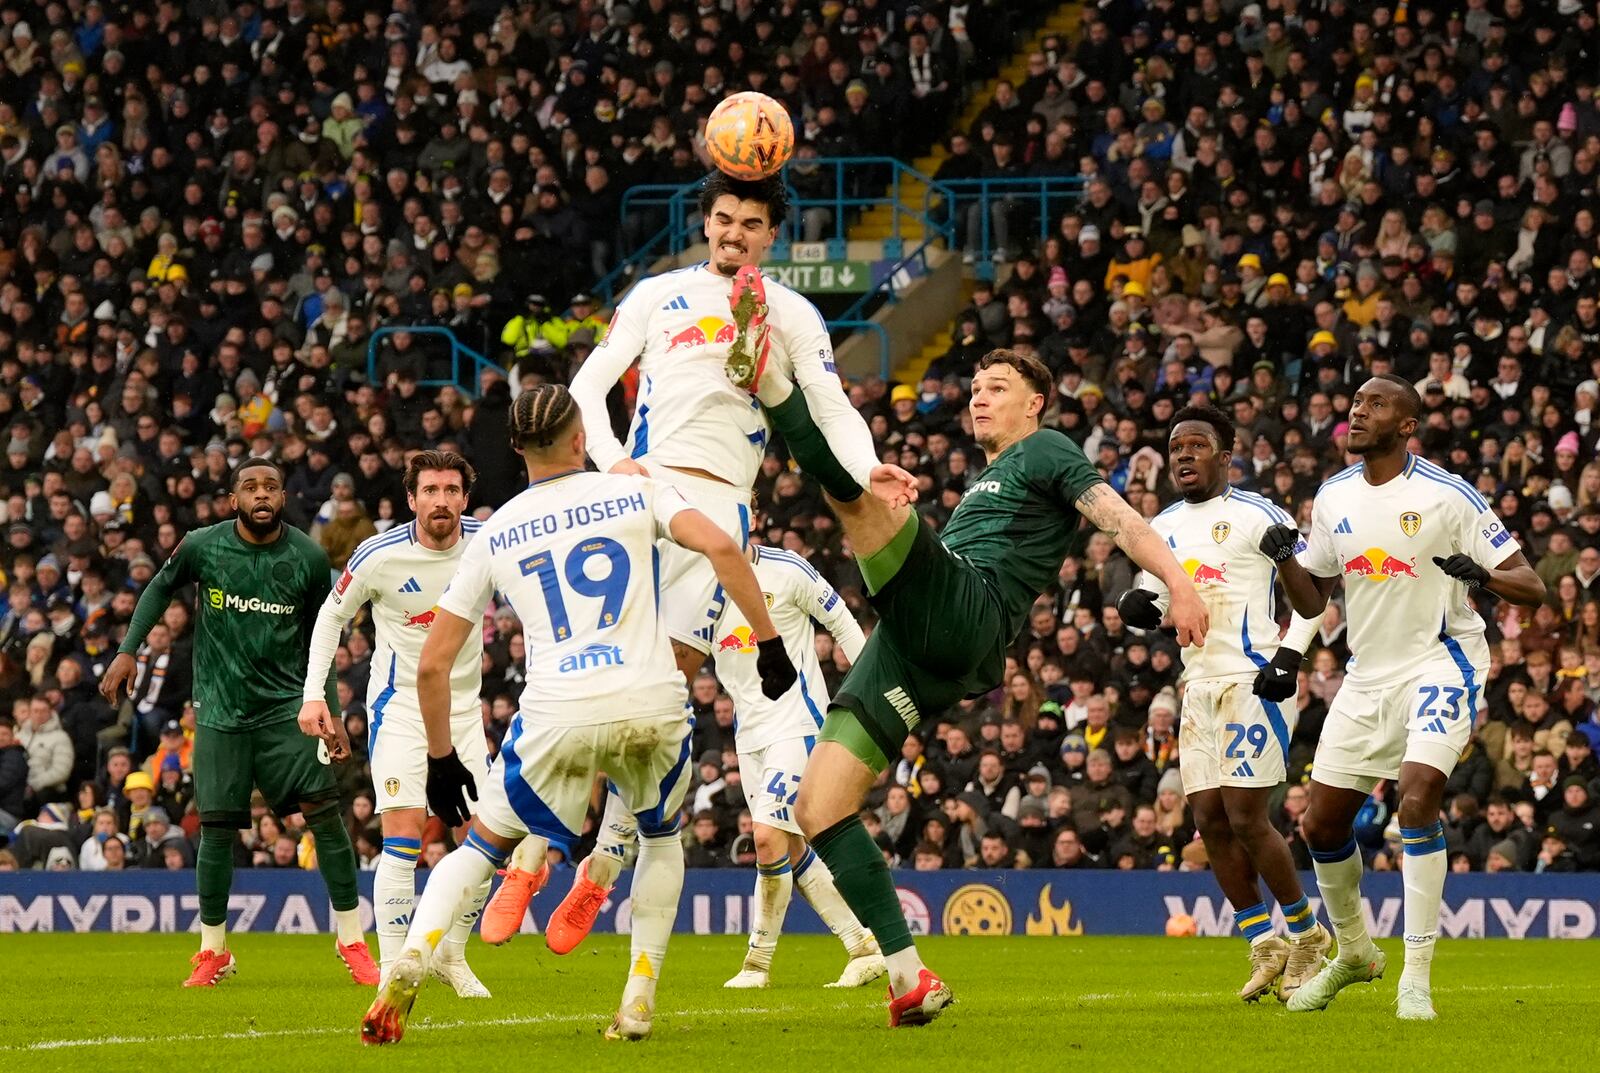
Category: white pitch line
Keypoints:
(354, 1030)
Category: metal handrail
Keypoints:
(963, 193)
(457, 349)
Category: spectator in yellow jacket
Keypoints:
(1135, 262)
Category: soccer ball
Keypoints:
(749, 136)
(1181, 925)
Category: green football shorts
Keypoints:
(941, 636)
(285, 764)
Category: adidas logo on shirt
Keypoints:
(680, 302)
(1343, 526)
(411, 585)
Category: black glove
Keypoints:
(1138, 609)
(1278, 542)
(449, 786)
(1462, 568)
(1280, 679)
(772, 663)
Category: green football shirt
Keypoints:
(1015, 523)
(257, 604)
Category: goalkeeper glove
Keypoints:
(1280, 679)
(1462, 568)
(1138, 609)
(449, 786)
(772, 664)
(1279, 541)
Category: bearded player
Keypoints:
(705, 436)
(1234, 737)
(949, 608)
(1410, 541)
(260, 583)
(401, 574)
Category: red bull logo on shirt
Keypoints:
(1375, 564)
(422, 621)
(1205, 573)
(741, 639)
(701, 332)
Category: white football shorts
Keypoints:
(1228, 736)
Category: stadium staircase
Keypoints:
(877, 223)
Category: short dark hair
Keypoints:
(1030, 368)
(440, 460)
(1408, 391)
(769, 191)
(255, 462)
(1220, 423)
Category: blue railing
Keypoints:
(1043, 198)
(458, 351)
(852, 324)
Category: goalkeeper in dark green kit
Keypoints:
(259, 585)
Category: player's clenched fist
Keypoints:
(449, 786)
(778, 675)
(1279, 541)
(1463, 568)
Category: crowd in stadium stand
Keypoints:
(209, 209)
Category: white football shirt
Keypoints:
(1404, 611)
(401, 578)
(575, 556)
(1218, 543)
(795, 595)
(678, 326)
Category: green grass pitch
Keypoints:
(98, 1002)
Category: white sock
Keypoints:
(1422, 874)
(773, 387)
(604, 868)
(394, 896)
(347, 924)
(774, 887)
(816, 887)
(455, 943)
(905, 968)
(619, 830)
(213, 937)
(1339, 879)
(529, 855)
(454, 880)
(657, 883)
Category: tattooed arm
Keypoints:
(1111, 514)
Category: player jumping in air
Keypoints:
(706, 437)
(1410, 540)
(260, 583)
(948, 610)
(401, 573)
(775, 739)
(574, 555)
(1234, 743)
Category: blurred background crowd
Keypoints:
(207, 208)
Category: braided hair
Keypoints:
(540, 416)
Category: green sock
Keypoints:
(863, 881)
(336, 858)
(810, 447)
(880, 567)
(214, 872)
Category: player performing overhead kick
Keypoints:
(401, 573)
(574, 556)
(1410, 540)
(1234, 737)
(706, 437)
(260, 583)
(948, 610)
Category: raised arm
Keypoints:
(623, 343)
(1110, 513)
